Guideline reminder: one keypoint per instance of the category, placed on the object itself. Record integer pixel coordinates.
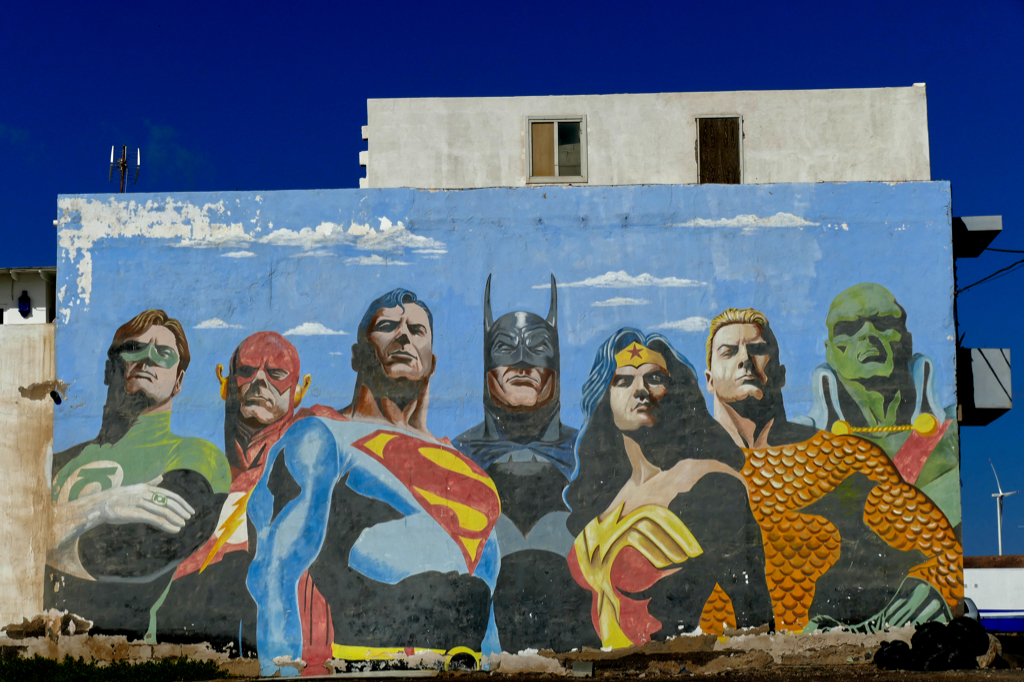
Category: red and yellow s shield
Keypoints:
(450, 487)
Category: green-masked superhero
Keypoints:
(135, 501)
(874, 385)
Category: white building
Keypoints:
(870, 134)
(27, 295)
(996, 585)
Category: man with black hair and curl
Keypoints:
(391, 525)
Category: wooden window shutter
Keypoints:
(719, 149)
(543, 136)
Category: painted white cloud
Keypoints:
(750, 220)
(313, 329)
(619, 301)
(308, 238)
(375, 259)
(437, 251)
(318, 253)
(83, 221)
(238, 254)
(389, 237)
(688, 324)
(216, 323)
(395, 238)
(623, 280)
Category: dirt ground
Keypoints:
(770, 673)
(774, 673)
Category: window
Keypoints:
(558, 148)
(719, 148)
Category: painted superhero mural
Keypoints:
(132, 503)
(760, 442)
(527, 451)
(874, 385)
(660, 514)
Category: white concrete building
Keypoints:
(27, 295)
(871, 134)
(996, 585)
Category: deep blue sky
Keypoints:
(225, 96)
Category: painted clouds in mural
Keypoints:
(492, 420)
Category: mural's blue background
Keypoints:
(897, 235)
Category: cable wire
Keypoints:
(1002, 272)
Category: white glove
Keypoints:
(142, 503)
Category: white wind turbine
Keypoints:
(999, 505)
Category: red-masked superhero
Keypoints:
(261, 392)
(260, 395)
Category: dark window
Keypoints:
(718, 150)
(569, 148)
(558, 149)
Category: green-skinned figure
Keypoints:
(874, 385)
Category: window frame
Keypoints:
(696, 141)
(532, 179)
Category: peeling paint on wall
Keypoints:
(456, 424)
(84, 221)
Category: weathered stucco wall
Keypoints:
(352, 425)
(788, 136)
(26, 420)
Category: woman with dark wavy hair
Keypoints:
(665, 539)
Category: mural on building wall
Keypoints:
(759, 440)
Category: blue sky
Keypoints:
(254, 97)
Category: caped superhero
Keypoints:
(874, 385)
(528, 453)
(260, 393)
(341, 490)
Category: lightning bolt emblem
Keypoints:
(228, 528)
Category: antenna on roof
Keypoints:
(125, 167)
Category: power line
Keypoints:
(1012, 267)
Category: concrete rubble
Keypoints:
(56, 634)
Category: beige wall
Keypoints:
(789, 136)
(26, 422)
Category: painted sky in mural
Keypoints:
(666, 259)
(529, 436)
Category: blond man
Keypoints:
(846, 539)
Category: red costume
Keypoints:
(247, 441)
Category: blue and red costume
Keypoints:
(394, 531)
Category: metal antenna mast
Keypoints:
(125, 168)
(999, 505)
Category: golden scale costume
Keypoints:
(799, 547)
